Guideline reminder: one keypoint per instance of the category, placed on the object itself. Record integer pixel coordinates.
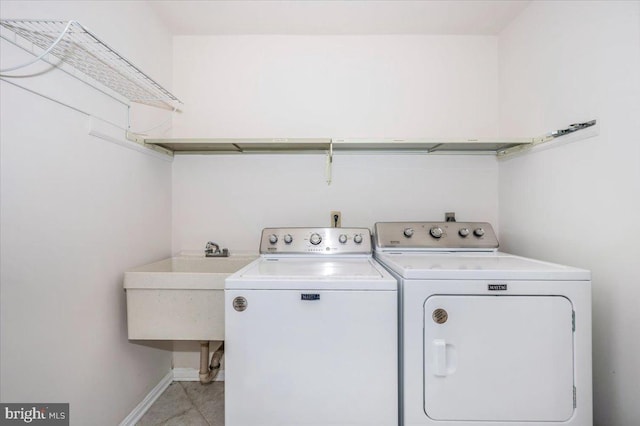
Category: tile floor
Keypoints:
(187, 404)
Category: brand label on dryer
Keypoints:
(497, 287)
(309, 296)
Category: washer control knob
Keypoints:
(273, 238)
(478, 232)
(436, 232)
(342, 238)
(288, 239)
(408, 232)
(357, 238)
(315, 239)
(463, 232)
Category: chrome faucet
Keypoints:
(213, 250)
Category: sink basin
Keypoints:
(180, 298)
(185, 272)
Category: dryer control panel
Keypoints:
(320, 241)
(447, 236)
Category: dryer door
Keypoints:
(498, 358)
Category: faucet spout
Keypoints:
(213, 250)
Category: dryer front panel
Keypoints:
(498, 358)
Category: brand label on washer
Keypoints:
(440, 316)
(497, 287)
(309, 296)
(240, 303)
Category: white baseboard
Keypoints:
(193, 375)
(148, 401)
(175, 375)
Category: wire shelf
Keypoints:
(82, 50)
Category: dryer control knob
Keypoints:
(357, 238)
(342, 238)
(464, 232)
(436, 232)
(273, 238)
(478, 232)
(315, 239)
(408, 232)
(288, 239)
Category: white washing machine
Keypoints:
(311, 332)
(486, 338)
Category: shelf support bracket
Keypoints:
(572, 128)
(329, 164)
(133, 137)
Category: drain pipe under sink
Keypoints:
(209, 370)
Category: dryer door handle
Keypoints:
(439, 357)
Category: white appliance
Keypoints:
(311, 332)
(486, 338)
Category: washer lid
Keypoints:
(450, 266)
(359, 273)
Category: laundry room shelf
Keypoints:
(500, 147)
(82, 51)
(307, 145)
(429, 145)
(242, 145)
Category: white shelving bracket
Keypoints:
(572, 133)
(329, 169)
(110, 132)
(135, 138)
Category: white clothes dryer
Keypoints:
(311, 332)
(486, 338)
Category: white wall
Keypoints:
(336, 86)
(560, 63)
(229, 199)
(76, 212)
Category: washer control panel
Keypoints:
(435, 236)
(321, 241)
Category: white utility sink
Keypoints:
(185, 272)
(180, 298)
